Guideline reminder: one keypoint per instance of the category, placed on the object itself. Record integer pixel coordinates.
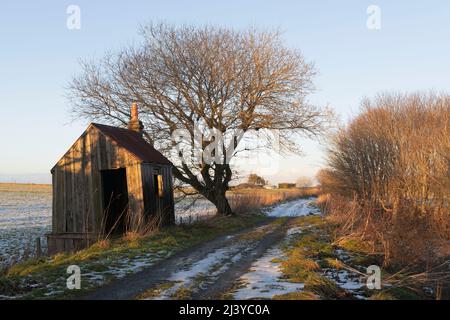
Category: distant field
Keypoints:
(19, 187)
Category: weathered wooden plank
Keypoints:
(88, 197)
(60, 245)
(75, 205)
(64, 198)
(97, 204)
(54, 202)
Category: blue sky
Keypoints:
(39, 55)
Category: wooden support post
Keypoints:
(38, 247)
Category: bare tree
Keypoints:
(256, 180)
(304, 182)
(202, 77)
(329, 183)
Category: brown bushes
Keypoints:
(388, 176)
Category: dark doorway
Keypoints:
(115, 200)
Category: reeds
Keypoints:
(247, 200)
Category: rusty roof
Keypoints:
(133, 142)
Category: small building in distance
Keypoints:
(285, 185)
(109, 182)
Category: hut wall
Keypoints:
(154, 204)
(77, 188)
(135, 195)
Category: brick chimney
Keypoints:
(134, 123)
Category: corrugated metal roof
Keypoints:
(134, 143)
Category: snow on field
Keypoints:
(185, 213)
(24, 216)
(295, 208)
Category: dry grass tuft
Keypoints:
(103, 244)
(301, 295)
(132, 236)
(323, 287)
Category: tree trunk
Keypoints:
(219, 199)
(212, 189)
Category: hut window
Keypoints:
(158, 183)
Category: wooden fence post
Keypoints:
(38, 247)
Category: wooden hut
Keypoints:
(110, 181)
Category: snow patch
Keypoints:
(295, 208)
(348, 280)
(189, 271)
(264, 279)
(293, 231)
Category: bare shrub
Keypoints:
(323, 201)
(389, 176)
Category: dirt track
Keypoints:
(212, 269)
